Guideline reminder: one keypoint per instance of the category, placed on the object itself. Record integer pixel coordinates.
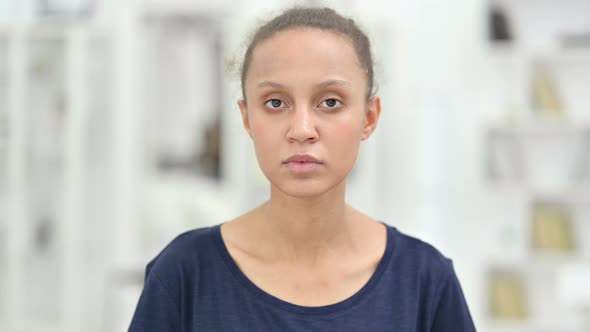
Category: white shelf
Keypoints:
(572, 284)
(63, 203)
(547, 158)
(542, 127)
(32, 325)
(501, 51)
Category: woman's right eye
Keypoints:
(274, 104)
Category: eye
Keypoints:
(331, 103)
(274, 104)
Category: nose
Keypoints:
(303, 125)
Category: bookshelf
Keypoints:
(540, 147)
(53, 79)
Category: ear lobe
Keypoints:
(244, 112)
(371, 117)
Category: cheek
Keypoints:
(266, 144)
(344, 142)
(262, 131)
(348, 128)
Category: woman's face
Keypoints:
(306, 110)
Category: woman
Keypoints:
(304, 260)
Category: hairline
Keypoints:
(302, 27)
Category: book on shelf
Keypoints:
(544, 92)
(552, 227)
(507, 295)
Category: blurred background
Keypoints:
(119, 130)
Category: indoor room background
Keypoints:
(119, 130)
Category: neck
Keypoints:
(306, 229)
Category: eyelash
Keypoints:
(338, 103)
(268, 103)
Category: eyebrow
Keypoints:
(320, 85)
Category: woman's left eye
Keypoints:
(331, 103)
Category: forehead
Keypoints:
(306, 53)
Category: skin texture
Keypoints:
(306, 94)
(304, 123)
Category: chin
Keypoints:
(305, 189)
(302, 194)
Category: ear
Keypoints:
(371, 117)
(245, 119)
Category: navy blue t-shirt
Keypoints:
(195, 285)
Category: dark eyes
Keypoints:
(277, 103)
(331, 103)
(274, 104)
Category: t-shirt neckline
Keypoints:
(276, 302)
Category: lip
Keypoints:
(302, 158)
(302, 163)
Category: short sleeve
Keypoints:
(452, 313)
(156, 310)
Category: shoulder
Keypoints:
(420, 261)
(425, 271)
(421, 254)
(185, 254)
(171, 279)
(190, 242)
(444, 305)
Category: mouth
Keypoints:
(302, 163)
(302, 158)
